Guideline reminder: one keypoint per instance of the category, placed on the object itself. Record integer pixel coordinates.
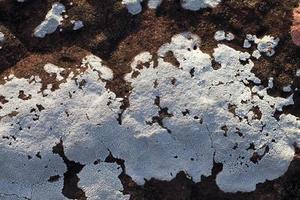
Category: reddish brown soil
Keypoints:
(116, 36)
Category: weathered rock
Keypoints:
(11, 49)
(295, 30)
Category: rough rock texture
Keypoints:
(295, 30)
(74, 160)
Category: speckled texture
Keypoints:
(116, 36)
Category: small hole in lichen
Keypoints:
(192, 72)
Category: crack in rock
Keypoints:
(70, 189)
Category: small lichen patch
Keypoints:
(222, 35)
(2, 37)
(52, 20)
(78, 24)
(134, 6)
(52, 69)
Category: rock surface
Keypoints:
(111, 105)
(296, 26)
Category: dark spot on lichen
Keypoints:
(53, 178)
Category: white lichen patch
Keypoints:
(247, 44)
(252, 123)
(2, 37)
(298, 73)
(53, 69)
(229, 36)
(199, 4)
(271, 83)
(21, 170)
(153, 4)
(221, 35)
(265, 45)
(48, 190)
(180, 118)
(287, 88)
(211, 111)
(256, 54)
(78, 24)
(52, 20)
(32, 122)
(95, 63)
(134, 6)
(101, 182)
(11, 197)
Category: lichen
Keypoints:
(180, 118)
(135, 7)
(52, 20)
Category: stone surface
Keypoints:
(118, 81)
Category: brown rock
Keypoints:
(12, 49)
(295, 29)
